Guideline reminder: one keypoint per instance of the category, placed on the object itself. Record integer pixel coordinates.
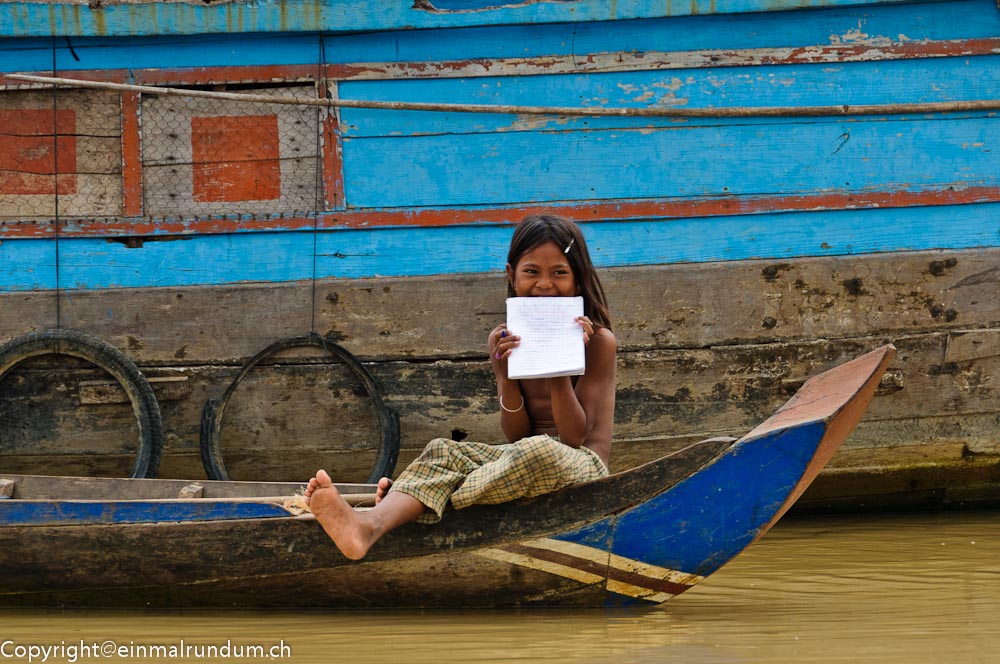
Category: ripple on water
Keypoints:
(900, 589)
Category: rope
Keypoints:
(55, 183)
(320, 120)
(645, 112)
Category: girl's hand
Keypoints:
(588, 328)
(501, 343)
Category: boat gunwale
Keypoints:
(719, 447)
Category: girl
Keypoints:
(558, 429)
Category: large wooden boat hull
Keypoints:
(638, 537)
(740, 254)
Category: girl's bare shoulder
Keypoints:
(603, 344)
(605, 339)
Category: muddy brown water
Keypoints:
(896, 589)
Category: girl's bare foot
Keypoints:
(384, 485)
(345, 526)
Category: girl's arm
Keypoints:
(576, 410)
(514, 420)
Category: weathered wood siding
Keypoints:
(740, 255)
(25, 18)
(689, 368)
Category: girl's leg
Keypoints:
(420, 493)
(530, 467)
(352, 531)
(438, 471)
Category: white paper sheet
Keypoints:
(551, 340)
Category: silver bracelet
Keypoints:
(508, 409)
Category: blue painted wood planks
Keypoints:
(909, 23)
(87, 512)
(723, 159)
(90, 264)
(22, 19)
(700, 524)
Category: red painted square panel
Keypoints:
(236, 158)
(30, 159)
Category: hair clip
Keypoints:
(566, 250)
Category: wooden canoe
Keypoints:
(636, 537)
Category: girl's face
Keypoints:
(543, 271)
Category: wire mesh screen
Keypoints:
(61, 155)
(62, 146)
(213, 156)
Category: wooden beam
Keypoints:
(653, 307)
(613, 61)
(332, 152)
(131, 156)
(581, 111)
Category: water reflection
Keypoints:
(916, 588)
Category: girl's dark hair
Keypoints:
(537, 229)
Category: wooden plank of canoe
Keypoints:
(87, 154)
(39, 487)
(421, 583)
(667, 306)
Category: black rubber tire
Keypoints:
(388, 419)
(145, 407)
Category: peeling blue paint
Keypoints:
(33, 19)
(719, 158)
(72, 512)
(94, 264)
(911, 23)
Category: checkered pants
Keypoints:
(476, 473)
